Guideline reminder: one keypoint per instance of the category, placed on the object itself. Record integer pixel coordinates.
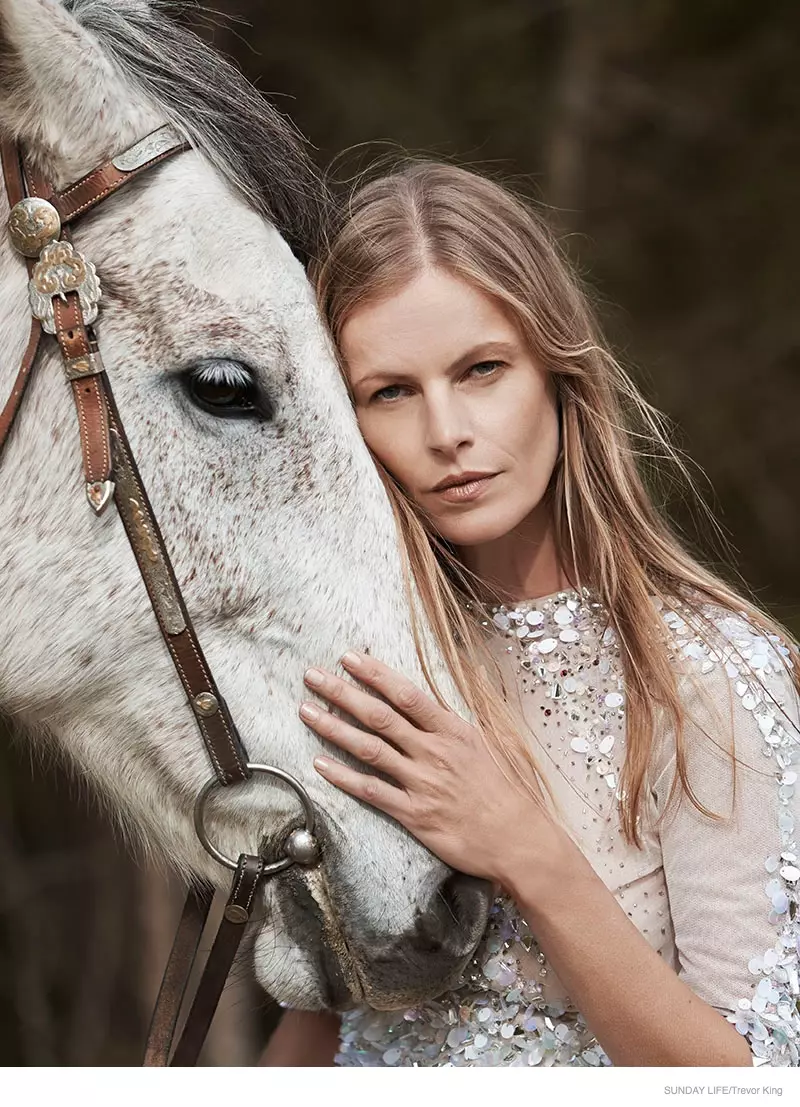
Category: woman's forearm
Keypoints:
(638, 1009)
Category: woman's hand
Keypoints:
(452, 796)
(447, 788)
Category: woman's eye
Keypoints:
(381, 393)
(227, 389)
(490, 366)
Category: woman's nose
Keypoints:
(448, 425)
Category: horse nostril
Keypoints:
(429, 932)
(404, 965)
(459, 892)
(451, 913)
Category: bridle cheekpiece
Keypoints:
(64, 293)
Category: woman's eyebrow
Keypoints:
(483, 351)
(382, 374)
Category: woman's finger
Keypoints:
(371, 789)
(420, 708)
(367, 747)
(378, 716)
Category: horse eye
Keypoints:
(226, 389)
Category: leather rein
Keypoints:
(64, 292)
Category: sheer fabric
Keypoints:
(717, 898)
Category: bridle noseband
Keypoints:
(64, 293)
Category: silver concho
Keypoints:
(33, 224)
(61, 269)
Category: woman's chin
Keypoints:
(481, 524)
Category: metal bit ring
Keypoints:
(301, 846)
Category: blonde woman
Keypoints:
(629, 780)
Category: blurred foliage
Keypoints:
(662, 138)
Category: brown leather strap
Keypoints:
(176, 976)
(219, 732)
(109, 178)
(19, 186)
(37, 185)
(246, 880)
(83, 368)
(12, 172)
(15, 187)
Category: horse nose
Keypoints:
(452, 923)
(428, 957)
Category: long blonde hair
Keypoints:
(428, 214)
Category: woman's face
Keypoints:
(444, 385)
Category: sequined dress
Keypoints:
(718, 900)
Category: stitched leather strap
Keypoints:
(90, 402)
(12, 405)
(213, 718)
(246, 879)
(12, 172)
(172, 993)
(37, 185)
(109, 178)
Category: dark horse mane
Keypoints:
(205, 97)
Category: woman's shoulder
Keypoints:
(705, 638)
(734, 675)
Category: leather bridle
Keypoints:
(64, 292)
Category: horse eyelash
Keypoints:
(230, 373)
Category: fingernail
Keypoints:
(313, 676)
(321, 764)
(351, 659)
(309, 711)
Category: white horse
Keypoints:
(282, 536)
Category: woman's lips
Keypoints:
(465, 493)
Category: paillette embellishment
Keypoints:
(769, 1019)
(496, 1017)
(565, 643)
(503, 1011)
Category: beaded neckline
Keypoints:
(561, 595)
(536, 602)
(547, 623)
(564, 644)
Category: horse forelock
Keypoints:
(253, 146)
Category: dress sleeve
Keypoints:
(734, 883)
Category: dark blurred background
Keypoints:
(662, 136)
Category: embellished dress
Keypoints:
(718, 899)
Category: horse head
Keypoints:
(281, 535)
